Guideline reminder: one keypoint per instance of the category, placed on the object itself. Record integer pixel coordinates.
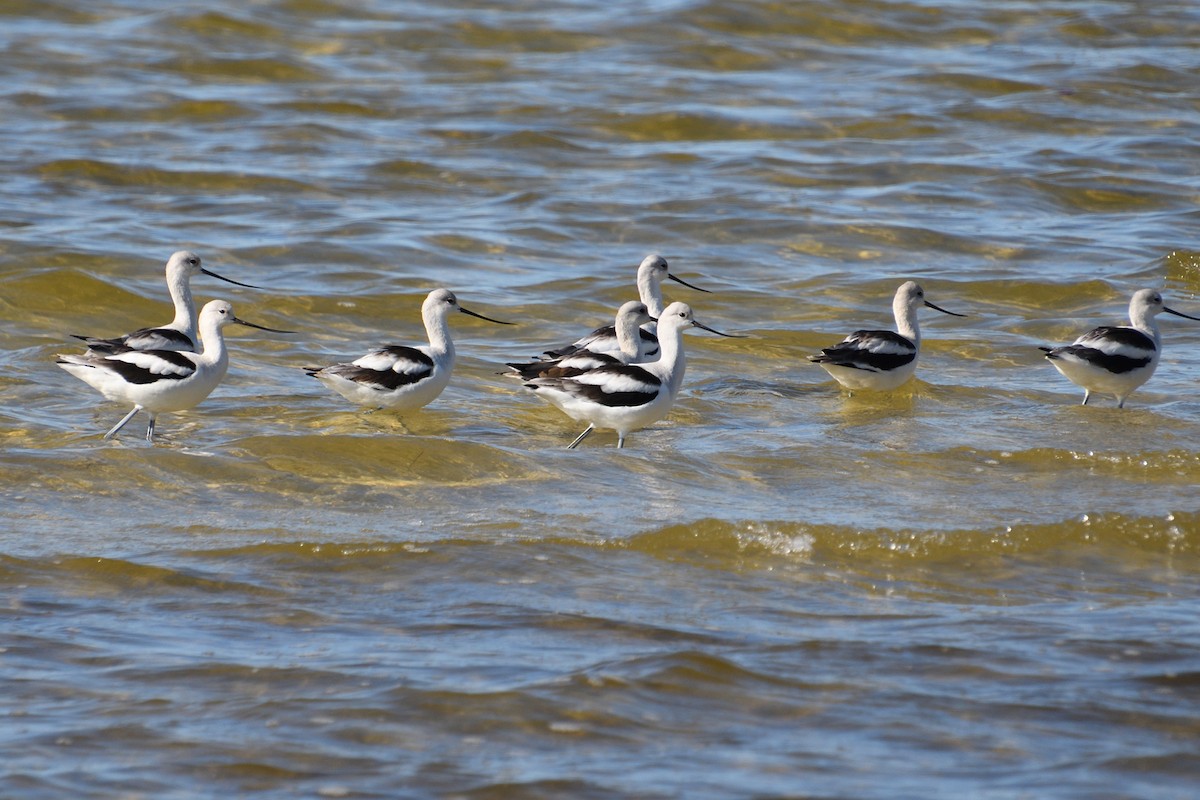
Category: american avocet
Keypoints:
(1116, 360)
(626, 397)
(399, 377)
(630, 317)
(180, 333)
(161, 380)
(881, 360)
(650, 275)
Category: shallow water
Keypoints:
(974, 587)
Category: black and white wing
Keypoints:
(143, 339)
(139, 366)
(614, 386)
(1114, 349)
(385, 369)
(871, 351)
(565, 367)
(604, 340)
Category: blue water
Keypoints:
(972, 587)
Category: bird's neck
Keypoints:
(906, 323)
(671, 362)
(650, 293)
(185, 310)
(1146, 323)
(212, 350)
(437, 329)
(629, 337)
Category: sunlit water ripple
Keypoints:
(973, 587)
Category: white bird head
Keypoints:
(654, 269)
(910, 297)
(680, 316)
(216, 314)
(635, 313)
(184, 264)
(441, 302)
(1146, 304)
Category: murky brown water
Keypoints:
(972, 588)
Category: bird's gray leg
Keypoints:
(121, 424)
(581, 437)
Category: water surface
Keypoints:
(973, 587)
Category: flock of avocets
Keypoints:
(623, 377)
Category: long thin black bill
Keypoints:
(690, 286)
(212, 274)
(481, 316)
(944, 311)
(1179, 314)
(260, 327)
(718, 333)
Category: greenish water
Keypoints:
(973, 587)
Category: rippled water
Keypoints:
(974, 587)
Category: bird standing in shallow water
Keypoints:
(180, 333)
(650, 275)
(1116, 360)
(881, 360)
(626, 397)
(398, 377)
(161, 380)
